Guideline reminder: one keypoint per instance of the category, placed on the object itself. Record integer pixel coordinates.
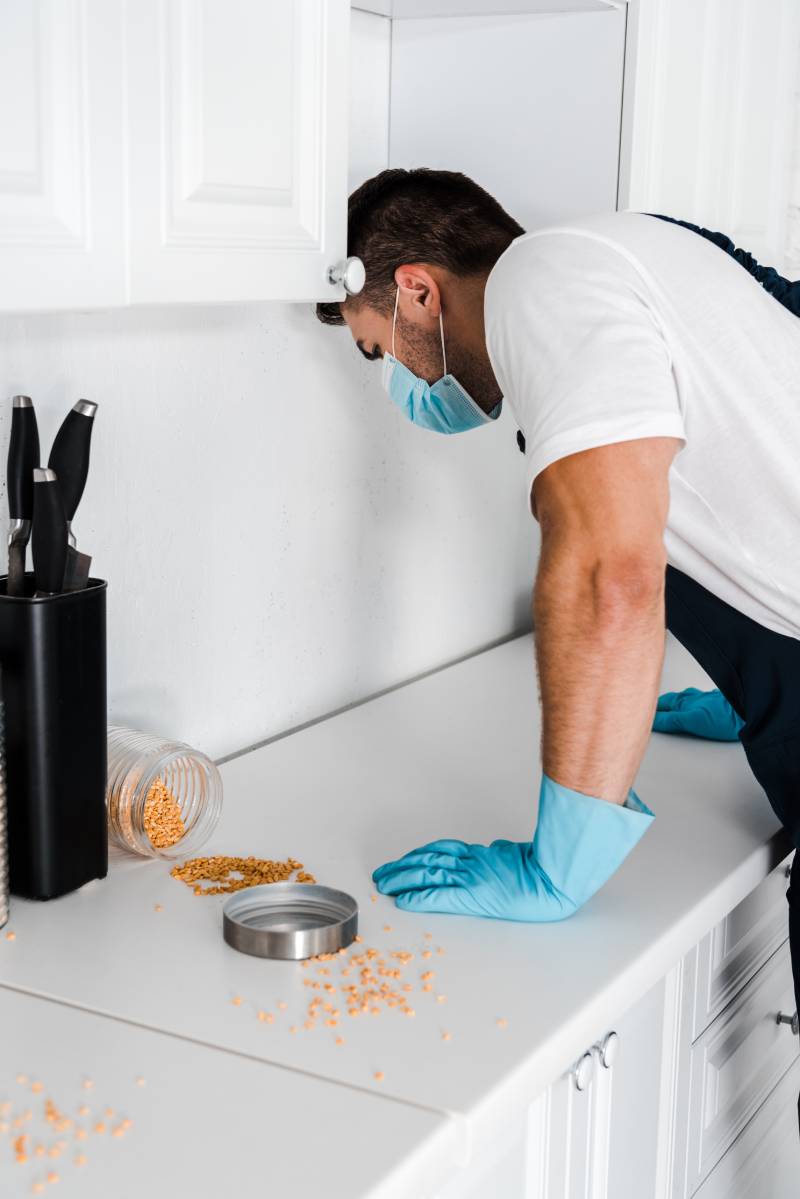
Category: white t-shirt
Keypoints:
(621, 325)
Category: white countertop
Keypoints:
(203, 1122)
(454, 754)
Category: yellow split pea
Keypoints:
(222, 871)
(163, 821)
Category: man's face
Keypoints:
(418, 340)
(417, 343)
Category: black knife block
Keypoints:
(53, 657)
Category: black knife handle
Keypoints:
(69, 457)
(49, 539)
(23, 456)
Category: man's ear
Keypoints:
(420, 288)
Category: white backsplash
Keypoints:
(279, 541)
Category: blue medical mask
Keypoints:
(443, 406)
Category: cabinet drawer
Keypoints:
(730, 954)
(764, 1162)
(736, 1063)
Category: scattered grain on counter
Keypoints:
(11, 936)
(140, 1081)
(81, 1159)
(379, 1075)
(502, 1022)
(163, 822)
(227, 874)
(447, 1036)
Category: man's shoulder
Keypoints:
(561, 251)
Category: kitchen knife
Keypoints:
(49, 542)
(69, 457)
(23, 455)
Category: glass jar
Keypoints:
(164, 798)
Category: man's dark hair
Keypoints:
(438, 217)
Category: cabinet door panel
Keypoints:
(61, 207)
(736, 1063)
(732, 953)
(636, 1098)
(764, 1162)
(237, 125)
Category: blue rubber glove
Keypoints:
(579, 843)
(698, 713)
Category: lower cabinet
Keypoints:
(764, 1161)
(602, 1117)
(690, 1094)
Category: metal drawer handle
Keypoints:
(607, 1049)
(583, 1071)
(793, 1021)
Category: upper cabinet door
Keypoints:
(237, 149)
(61, 204)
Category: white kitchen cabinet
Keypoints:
(182, 151)
(593, 1134)
(237, 163)
(61, 156)
(171, 151)
(764, 1162)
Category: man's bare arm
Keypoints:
(598, 610)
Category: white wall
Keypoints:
(279, 541)
(792, 261)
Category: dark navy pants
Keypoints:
(758, 672)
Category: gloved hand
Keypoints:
(579, 843)
(698, 713)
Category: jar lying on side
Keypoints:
(164, 798)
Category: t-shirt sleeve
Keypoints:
(576, 345)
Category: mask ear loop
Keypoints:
(441, 334)
(394, 320)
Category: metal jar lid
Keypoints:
(289, 920)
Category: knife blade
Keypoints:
(76, 571)
(69, 457)
(49, 542)
(23, 455)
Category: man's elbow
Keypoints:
(626, 585)
(609, 586)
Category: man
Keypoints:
(655, 382)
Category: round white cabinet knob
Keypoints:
(583, 1070)
(349, 274)
(609, 1049)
